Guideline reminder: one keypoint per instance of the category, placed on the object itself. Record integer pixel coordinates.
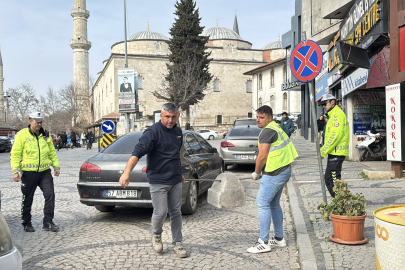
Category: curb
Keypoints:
(306, 254)
(379, 175)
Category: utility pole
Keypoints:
(128, 119)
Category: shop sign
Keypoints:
(333, 55)
(354, 81)
(365, 18)
(321, 88)
(361, 123)
(394, 112)
(291, 86)
(334, 76)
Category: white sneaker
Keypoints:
(273, 242)
(157, 243)
(259, 247)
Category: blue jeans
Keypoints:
(268, 203)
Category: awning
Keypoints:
(379, 75)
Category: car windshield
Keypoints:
(250, 122)
(124, 145)
(247, 132)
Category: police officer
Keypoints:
(276, 153)
(336, 142)
(32, 155)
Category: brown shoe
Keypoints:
(157, 243)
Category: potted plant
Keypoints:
(348, 215)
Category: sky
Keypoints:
(35, 35)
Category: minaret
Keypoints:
(1, 91)
(81, 46)
(235, 25)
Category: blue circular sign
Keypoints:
(306, 60)
(108, 126)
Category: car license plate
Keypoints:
(121, 193)
(250, 157)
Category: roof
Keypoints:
(148, 35)
(220, 33)
(273, 45)
(264, 67)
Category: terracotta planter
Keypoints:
(348, 230)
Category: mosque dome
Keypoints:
(220, 33)
(273, 46)
(148, 35)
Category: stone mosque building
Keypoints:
(229, 95)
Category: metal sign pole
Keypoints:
(311, 86)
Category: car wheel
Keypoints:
(363, 155)
(190, 206)
(210, 137)
(105, 208)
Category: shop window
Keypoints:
(260, 81)
(285, 101)
(249, 86)
(250, 115)
(216, 85)
(284, 73)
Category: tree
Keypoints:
(22, 102)
(188, 76)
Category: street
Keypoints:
(89, 239)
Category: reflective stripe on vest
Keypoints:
(283, 144)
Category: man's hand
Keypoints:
(57, 173)
(183, 179)
(16, 177)
(322, 157)
(256, 176)
(124, 180)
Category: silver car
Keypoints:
(10, 257)
(240, 145)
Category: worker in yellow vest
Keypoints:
(276, 153)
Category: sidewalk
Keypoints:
(304, 190)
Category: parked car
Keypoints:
(10, 257)
(208, 134)
(245, 122)
(5, 144)
(240, 145)
(99, 175)
(278, 116)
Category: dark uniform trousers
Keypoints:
(333, 171)
(29, 183)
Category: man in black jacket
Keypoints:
(63, 136)
(162, 143)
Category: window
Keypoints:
(272, 77)
(260, 102)
(249, 86)
(192, 145)
(260, 81)
(284, 73)
(216, 85)
(140, 82)
(205, 146)
(273, 102)
(250, 115)
(219, 119)
(246, 132)
(230, 48)
(285, 101)
(157, 46)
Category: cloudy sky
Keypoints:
(35, 35)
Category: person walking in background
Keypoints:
(73, 138)
(276, 153)
(287, 124)
(83, 138)
(33, 154)
(58, 142)
(162, 143)
(64, 139)
(336, 143)
(187, 127)
(321, 124)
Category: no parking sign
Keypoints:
(306, 60)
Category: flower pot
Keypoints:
(348, 230)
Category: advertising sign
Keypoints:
(395, 111)
(361, 123)
(354, 81)
(366, 18)
(321, 81)
(128, 90)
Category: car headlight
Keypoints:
(6, 243)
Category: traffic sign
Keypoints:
(108, 126)
(306, 60)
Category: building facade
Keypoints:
(2, 107)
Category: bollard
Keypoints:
(226, 192)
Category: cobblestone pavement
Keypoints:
(330, 255)
(216, 238)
